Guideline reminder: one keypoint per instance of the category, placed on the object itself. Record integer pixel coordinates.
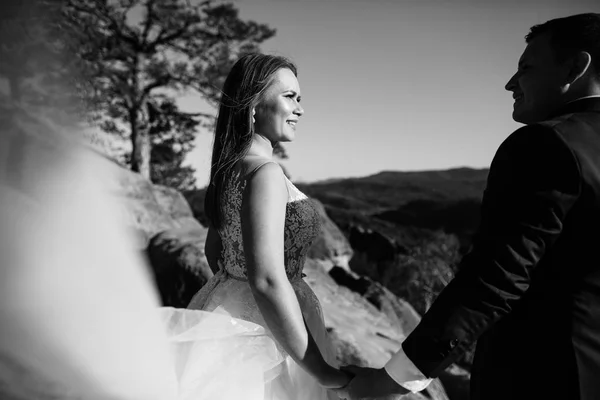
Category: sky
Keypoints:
(399, 85)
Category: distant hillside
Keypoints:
(406, 206)
(391, 189)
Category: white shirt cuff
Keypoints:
(401, 369)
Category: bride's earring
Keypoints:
(253, 113)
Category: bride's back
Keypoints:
(302, 222)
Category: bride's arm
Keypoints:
(263, 219)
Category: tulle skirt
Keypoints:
(223, 350)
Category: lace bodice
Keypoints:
(302, 226)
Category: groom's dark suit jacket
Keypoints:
(529, 290)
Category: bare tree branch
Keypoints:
(134, 70)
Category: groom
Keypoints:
(529, 290)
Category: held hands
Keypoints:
(370, 384)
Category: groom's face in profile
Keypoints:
(538, 84)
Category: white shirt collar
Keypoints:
(586, 97)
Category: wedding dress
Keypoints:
(226, 351)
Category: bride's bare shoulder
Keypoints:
(264, 177)
(253, 165)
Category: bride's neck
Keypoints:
(261, 146)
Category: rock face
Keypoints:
(179, 264)
(366, 321)
(400, 313)
(331, 244)
(170, 236)
(402, 317)
(176, 206)
(139, 208)
(362, 334)
(377, 247)
(373, 247)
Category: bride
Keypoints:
(70, 329)
(261, 227)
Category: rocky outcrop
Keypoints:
(138, 206)
(375, 252)
(331, 244)
(362, 334)
(353, 319)
(377, 246)
(179, 263)
(400, 313)
(404, 318)
(177, 207)
(168, 233)
(366, 321)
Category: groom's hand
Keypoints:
(371, 384)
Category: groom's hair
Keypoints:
(570, 35)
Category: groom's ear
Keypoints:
(581, 63)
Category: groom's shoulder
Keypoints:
(554, 128)
(536, 151)
(544, 143)
(538, 136)
(562, 125)
(567, 131)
